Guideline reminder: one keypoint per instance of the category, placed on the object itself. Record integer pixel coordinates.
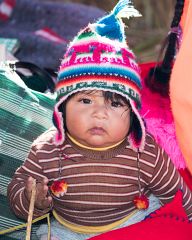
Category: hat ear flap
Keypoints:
(135, 131)
(136, 136)
(131, 122)
(59, 124)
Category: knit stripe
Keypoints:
(104, 80)
(102, 193)
(91, 203)
(57, 158)
(98, 165)
(99, 217)
(30, 172)
(159, 181)
(101, 48)
(99, 210)
(22, 205)
(91, 175)
(100, 184)
(110, 70)
(92, 83)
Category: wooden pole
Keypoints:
(31, 209)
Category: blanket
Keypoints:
(44, 28)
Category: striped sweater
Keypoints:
(101, 184)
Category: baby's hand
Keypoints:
(41, 199)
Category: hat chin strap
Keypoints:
(136, 138)
(58, 122)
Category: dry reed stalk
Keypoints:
(31, 209)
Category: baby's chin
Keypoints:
(98, 141)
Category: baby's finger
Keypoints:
(45, 203)
(45, 188)
(42, 190)
(45, 180)
(29, 185)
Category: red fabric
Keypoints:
(51, 35)
(168, 223)
(6, 9)
(186, 176)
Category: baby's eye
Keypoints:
(85, 100)
(116, 104)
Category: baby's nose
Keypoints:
(100, 111)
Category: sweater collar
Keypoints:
(97, 153)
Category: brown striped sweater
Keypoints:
(101, 185)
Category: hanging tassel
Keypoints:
(111, 26)
(141, 201)
(59, 188)
(125, 9)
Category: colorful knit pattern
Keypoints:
(93, 62)
(99, 59)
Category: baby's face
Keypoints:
(95, 122)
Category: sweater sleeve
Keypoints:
(16, 188)
(166, 181)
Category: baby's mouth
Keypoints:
(97, 131)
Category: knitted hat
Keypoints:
(99, 59)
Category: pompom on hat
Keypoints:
(99, 59)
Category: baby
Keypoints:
(97, 169)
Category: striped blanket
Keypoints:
(24, 114)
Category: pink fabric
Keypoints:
(156, 111)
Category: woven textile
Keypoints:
(24, 114)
